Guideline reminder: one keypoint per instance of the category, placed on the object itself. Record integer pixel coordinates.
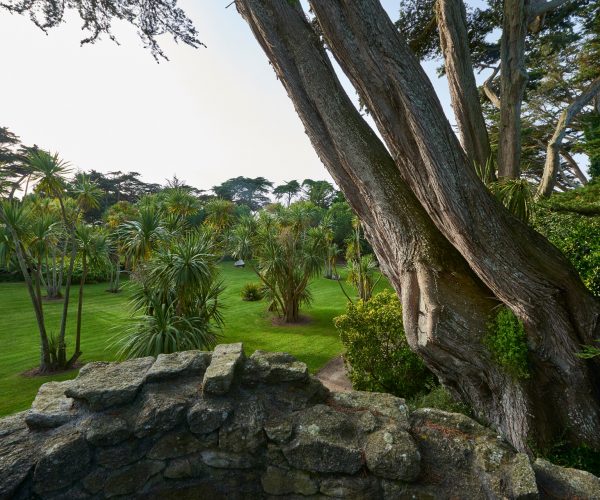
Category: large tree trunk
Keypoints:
(445, 306)
(452, 26)
(520, 267)
(552, 165)
(513, 79)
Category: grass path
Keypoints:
(315, 343)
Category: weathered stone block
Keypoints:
(51, 408)
(566, 483)
(180, 443)
(274, 368)
(107, 430)
(227, 460)
(64, 459)
(159, 412)
(177, 364)
(244, 432)
(102, 385)
(18, 453)
(131, 479)
(376, 403)
(219, 375)
(361, 487)
(277, 481)
(325, 442)
(392, 454)
(207, 416)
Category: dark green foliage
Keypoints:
(507, 342)
(515, 195)
(440, 398)
(251, 292)
(576, 457)
(376, 348)
(571, 221)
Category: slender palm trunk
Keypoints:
(77, 351)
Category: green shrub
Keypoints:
(439, 397)
(376, 348)
(576, 457)
(575, 235)
(252, 292)
(507, 342)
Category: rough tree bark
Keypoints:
(452, 26)
(517, 264)
(446, 307)
(513, 79)
(553, 151)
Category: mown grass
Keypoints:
(314, 342)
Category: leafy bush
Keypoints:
(439, 397)
(376, 348)
(508, 343)
(251, 292)
(563, 222)
(576, 457)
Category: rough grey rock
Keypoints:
(392, 454)
(279, 431)
(131, 479)
(17, 453)
(227, 460)
(376, 403)
(277, 481)
(180, 443)
(219, 375)
(51, 408)
(244, 432)
(207, 416)
(160, 410)
(325, 441)
(560, 482)
(178, 364)
(102, 385)
(64, 459)
(350, 487)
(274, 367)
(107, 430)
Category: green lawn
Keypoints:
(314, 343)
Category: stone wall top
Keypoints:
(223, 425)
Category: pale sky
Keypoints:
(207, 115)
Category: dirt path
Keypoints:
(334, 375)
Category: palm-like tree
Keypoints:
(178, 296)
(288, 253)
(93, 249)
(143, 235)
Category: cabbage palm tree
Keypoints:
(143, 235)
(288, 253)
(93, 248)
(177, 294)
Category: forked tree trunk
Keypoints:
(552, 165)
(574, 167)
(513, 79)
(452, 26)
(446, 307)
(521, 267)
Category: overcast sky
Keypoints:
(205, 115)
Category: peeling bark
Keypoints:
(553, 151)
(519, 266)
(452, 26)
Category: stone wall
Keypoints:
(219, 425)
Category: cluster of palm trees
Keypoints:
(46, 237)
(169, 244)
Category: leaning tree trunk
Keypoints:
(521, 267)
(452, 26)
(574, 167)
(513, 79)
(553, 151)
(445, 306)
